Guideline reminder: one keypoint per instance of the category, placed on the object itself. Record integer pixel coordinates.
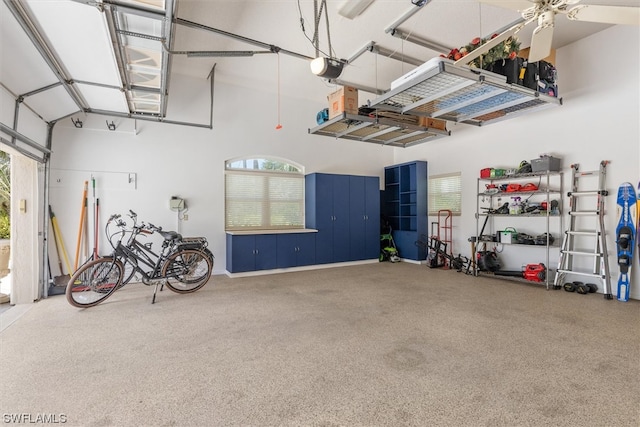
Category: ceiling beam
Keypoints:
(272, 48)
(420, 41)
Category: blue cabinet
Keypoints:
(252, 252)
(296, 249)
(364, 217)
(249, 252)
(345, 209)
(405, 206)
(327, 210)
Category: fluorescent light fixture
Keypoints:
(352, 8)
(219, 53)
(326, 67)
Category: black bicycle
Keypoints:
(184, 265)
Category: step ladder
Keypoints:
(586, 229)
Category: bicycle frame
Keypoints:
(145, 261)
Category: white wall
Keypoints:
(171, 160)
(598, 121)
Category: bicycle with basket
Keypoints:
(184, 265)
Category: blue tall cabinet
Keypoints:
(345, 209)
(364, 217)
(405, 206)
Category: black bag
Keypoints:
(540, 76)
(546, 72)
(507, 67)
(547, 88)
(488, 261)
(529, 76)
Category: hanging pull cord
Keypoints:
(279, 125)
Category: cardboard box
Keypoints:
(524, 53)
(432, 123)
(398, 117)
(344, 100)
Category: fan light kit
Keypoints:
(326, 67)
(543, 12)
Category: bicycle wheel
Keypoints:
(94, 282)
(209, 255)
(187, 270)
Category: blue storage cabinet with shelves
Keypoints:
(295, 249)
(345, 209)
(364, 217)
(404, 205)
(250, 252)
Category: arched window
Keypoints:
(263, 193)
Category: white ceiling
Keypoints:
(78, 35)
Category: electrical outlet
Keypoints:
(185, 217)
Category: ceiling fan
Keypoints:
(543, 12)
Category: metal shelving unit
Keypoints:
(463, 95)
(377, 130)
(545, 192)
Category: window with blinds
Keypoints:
(263, 194)
(445, 192)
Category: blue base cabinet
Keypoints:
(252, 252)
(249, 252)
(295, 250)
(405, 206)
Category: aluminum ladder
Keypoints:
(586, 232)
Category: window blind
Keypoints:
(445, 192)
(263, 200)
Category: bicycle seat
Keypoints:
(170, 235)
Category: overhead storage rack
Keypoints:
(462, 95)
(441, 90)
(377, 130)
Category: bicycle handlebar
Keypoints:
(153, 227)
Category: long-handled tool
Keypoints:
(85, 232)
(63, 278)
(83, 208)
(95, 230)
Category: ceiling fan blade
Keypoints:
(542, 38)
(518, 5)
(624, 15)
(491, 43)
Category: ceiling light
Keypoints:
(326, 67)
(219, 53)
(352, 8)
